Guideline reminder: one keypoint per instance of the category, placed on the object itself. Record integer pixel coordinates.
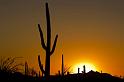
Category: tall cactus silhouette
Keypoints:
(26, 68)
(84, 69)
(62, 66)
(78, 70)
(64, 69)
(47, 47)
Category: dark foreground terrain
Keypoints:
(90, 76)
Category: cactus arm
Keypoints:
(41, 36)
(54, 45)
(40, 65)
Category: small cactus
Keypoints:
(26, 68)
(62, 66)
(78, 70)
(84, 68)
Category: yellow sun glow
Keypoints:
(88, 67)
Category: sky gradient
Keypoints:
(89, 31)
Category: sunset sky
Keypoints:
(90, 31)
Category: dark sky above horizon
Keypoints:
(89, 31)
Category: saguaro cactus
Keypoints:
(64, 69)
(26, 68)
(62, 66)
(47, 47)
(78, 70)
(84, 68)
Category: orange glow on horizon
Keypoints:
(89, 67)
